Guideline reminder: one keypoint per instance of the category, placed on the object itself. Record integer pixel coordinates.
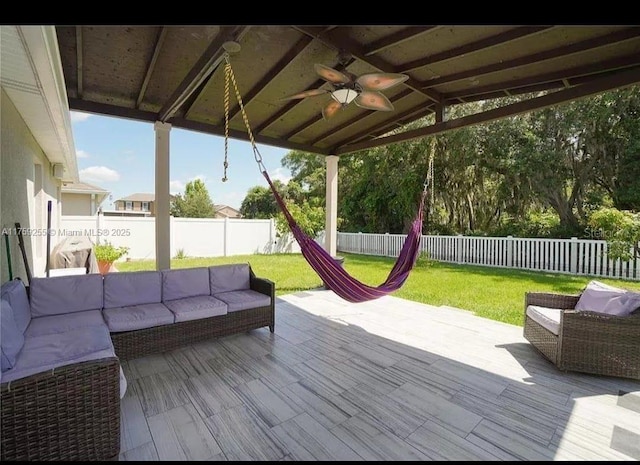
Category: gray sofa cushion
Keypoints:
(42, 353)
(137, 317)
(16, 294)
(187, 282)
(596, 296)
(225, 278)
(65, 294)
(622, 305)
(193, 308)
(132, 288)
(11, 338)
(242, 300)
(55, 324)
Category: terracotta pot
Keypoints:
(106, 267)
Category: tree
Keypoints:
(195, 203)
(621, 230)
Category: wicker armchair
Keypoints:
(587, 342)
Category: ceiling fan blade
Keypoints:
(380, 81)
(331, 75)
(373, 101)
(331, 109)
(305, 94)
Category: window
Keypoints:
(128, 205)
(145, 206)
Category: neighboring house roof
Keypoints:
(82, 188)
(140, 197)
(233, 211)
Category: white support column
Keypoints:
(331, 220)
(163, 223)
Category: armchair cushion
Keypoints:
(548, 318)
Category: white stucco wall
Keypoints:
(76, 204)
(26, 184)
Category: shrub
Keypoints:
(107, 252)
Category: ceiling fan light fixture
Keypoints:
(344, 96)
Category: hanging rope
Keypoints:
(333, 275)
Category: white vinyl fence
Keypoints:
(573, 256)
(195, 237)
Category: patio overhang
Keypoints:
(173, 74)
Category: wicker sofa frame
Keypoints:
(141, 342)
(587, 342)
(73, 412)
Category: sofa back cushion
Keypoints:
(622, 305)
(15, 293)
(11, 337)
(186, 282)
(226, 278)
(66, 294)
(132, 288)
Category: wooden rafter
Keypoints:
(396, 39)
(272, 73)
(487, 42)
(607, 39)
(162, 33)
(620, 79)
(206, 64)
(79, 65)
(619, 62)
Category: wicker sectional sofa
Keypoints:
(63, 339)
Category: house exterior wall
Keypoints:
(136, 206)
(27, 183)
(76, 204)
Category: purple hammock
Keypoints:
(336, 278)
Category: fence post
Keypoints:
(509, 251)
(226, 236)
(360, 241)
(459, 254)
(385, 250)
(573, 264)
(98, 226)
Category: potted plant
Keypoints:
(106, 253)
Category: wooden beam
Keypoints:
(593, 68)
(396, 39)
(272, 73)
(79, 64)
(595, 42)
(471, 47)
(162, 33)
(143, 115)
(206, 64)
(615, 81)
(339, 40)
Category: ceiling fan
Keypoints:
(363, 90)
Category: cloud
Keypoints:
(82, 154)
(233, 199)
(281, 174)
(79, 117)
(99, 174)
(175, 187)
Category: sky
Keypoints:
(119, 154)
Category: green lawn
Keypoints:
(489, 292)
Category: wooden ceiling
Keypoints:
(176, 74)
